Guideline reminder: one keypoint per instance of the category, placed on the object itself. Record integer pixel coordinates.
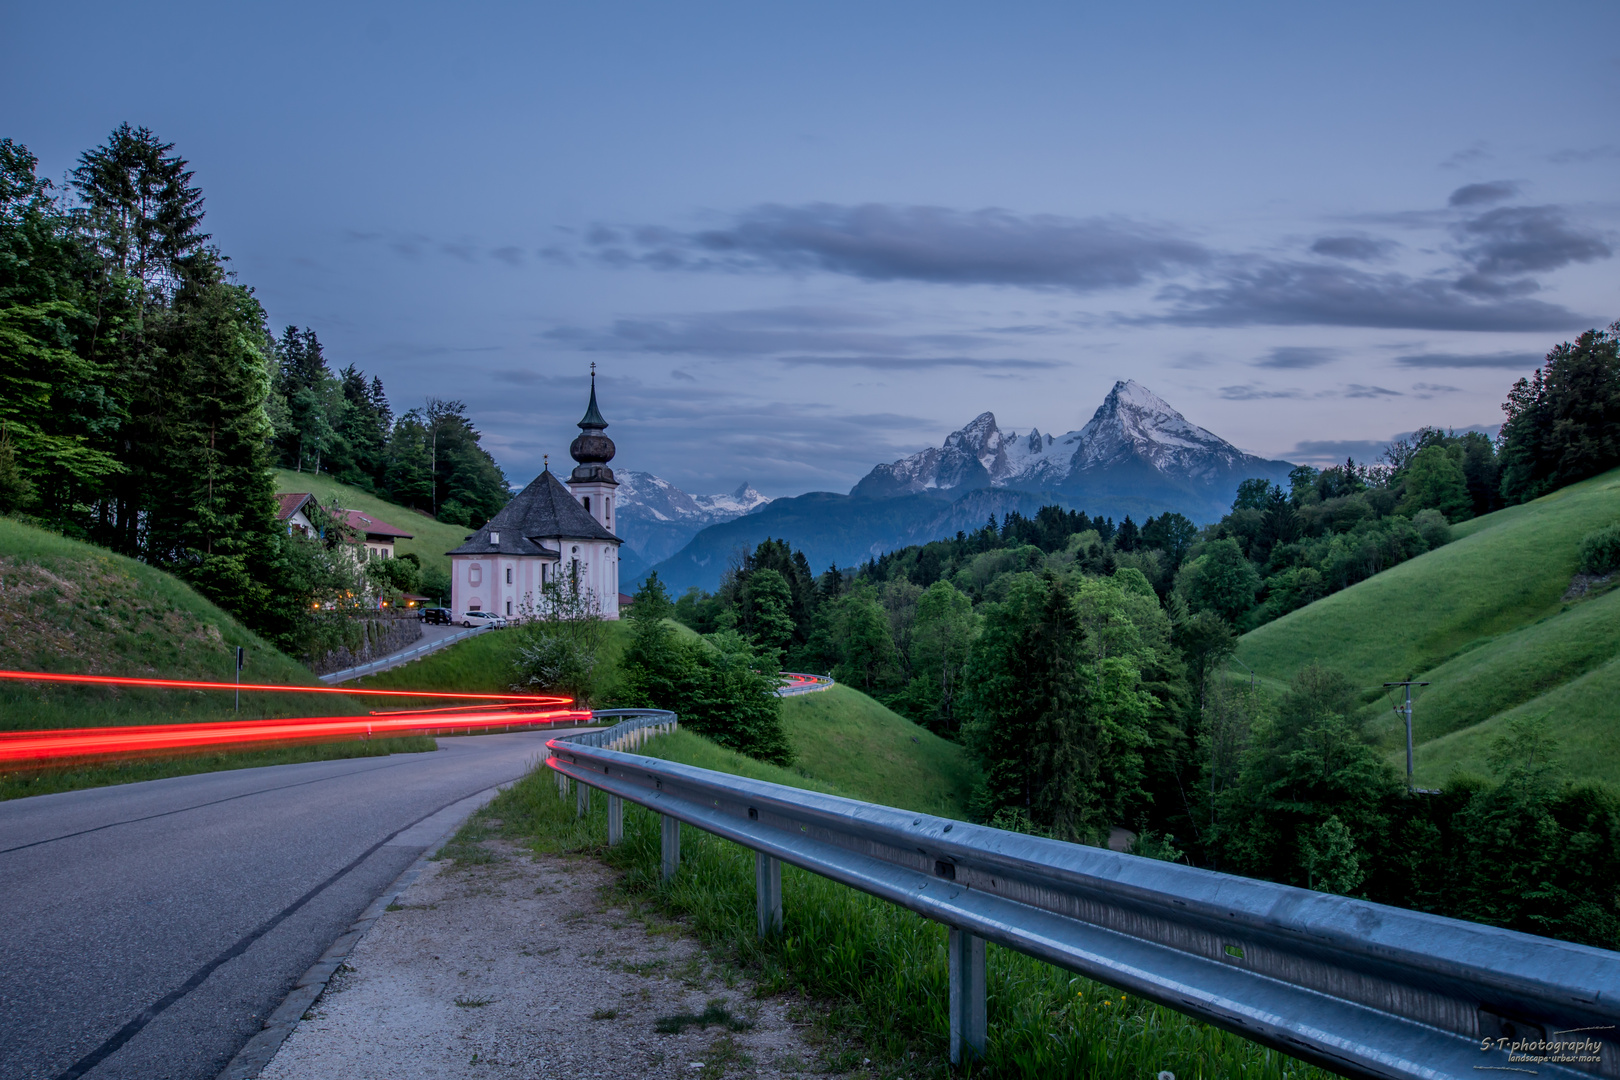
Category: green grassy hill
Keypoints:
(1485, 620)
(73, 607)
(430, 538)
(68, 607)
(847, 744)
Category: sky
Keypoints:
(801, 239)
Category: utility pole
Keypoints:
(239, 656)
(1407, 709)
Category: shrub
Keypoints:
(1600, 550)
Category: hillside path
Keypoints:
(194, 903)
(521, 968)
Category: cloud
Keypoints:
(1471, 155)
(1429, 390)
(1362, 248)
(913, 363)
(1251, 392)
(882, 242)
(1296, 357)
(1480, 194)
(1284, 293)
(1356, 390)
(1585, 154)
(1470, 360)
(1335, 451)
(1520, 239)
(510, 255)
(677, 373)
(798, 336)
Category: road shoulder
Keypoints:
(524, 964)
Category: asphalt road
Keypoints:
(146, 930)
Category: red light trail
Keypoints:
(37, 748)
(183, 684)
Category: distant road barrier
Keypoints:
(1360, 988)
(794, 682)
(401, 657)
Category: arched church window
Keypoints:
(475, 575)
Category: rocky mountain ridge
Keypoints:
(655, 518)
(1133, 428)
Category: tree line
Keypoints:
(144, 402)
(1081, 664)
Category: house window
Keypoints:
(509, 607)
(475, 575)
(509, 581)
(587, 504)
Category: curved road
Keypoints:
(148, 929)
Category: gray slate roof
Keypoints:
(545, 510)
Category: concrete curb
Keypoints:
(434, 832)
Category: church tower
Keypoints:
(592, 481)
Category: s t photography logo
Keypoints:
(1584, 1051)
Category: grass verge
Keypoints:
(846, 738)
(18, 785)
(879, 971)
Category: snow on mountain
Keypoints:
(725, 507)
(1133, 428)
(656, 518)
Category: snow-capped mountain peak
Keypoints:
(655, 517)
(1132, 424)
(742, 501)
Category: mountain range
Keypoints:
(656, 518)
(1136, 456)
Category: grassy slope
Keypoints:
(848, 744)
(1484, 620)
(482, 664)
(72, 607)
(430, 538)
(67, 606)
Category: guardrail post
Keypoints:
(671, 846)
(582, 799)
(562, 786)
(967, 995)
(615, 821)
(768, 893)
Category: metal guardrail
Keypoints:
(1360, 988)
(400, 657)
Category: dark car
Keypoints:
(437, 615)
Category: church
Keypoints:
(548, 533)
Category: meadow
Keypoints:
(1489, 622)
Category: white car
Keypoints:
(482, 618)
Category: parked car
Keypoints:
(482, 618)
(440, 615)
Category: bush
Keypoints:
(1600, 550)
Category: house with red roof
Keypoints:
(300, 512)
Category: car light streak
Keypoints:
(183, 684)
(23, 748)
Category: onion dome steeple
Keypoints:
(592, 449)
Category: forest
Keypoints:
(1083, 665)
(145, 402)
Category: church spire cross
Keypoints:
(593, 416)
(592, 449)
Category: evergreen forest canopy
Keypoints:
(144, 401)
(1083, 665)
